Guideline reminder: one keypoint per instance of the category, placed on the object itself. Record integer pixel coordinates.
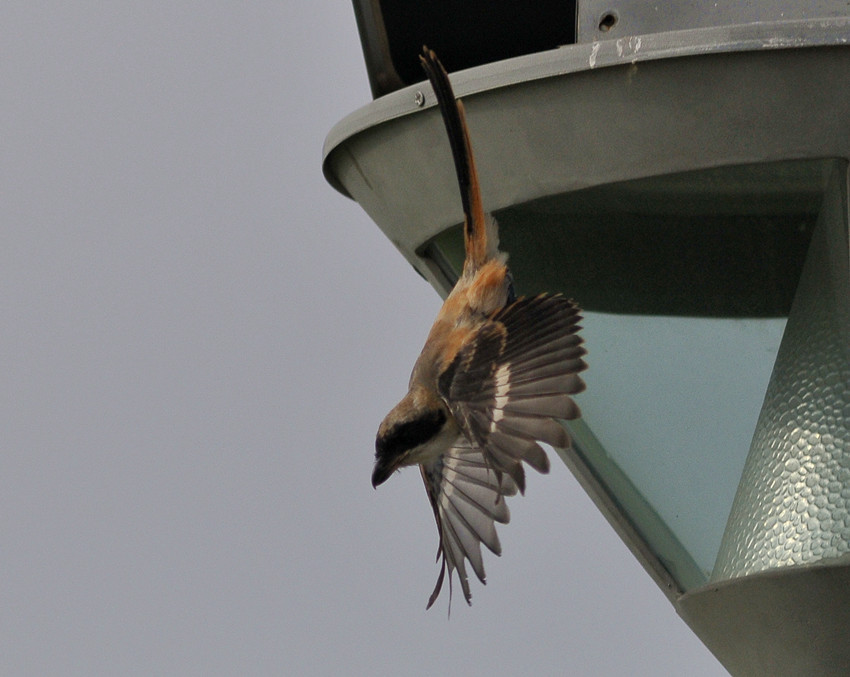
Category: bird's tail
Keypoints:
(479, 231)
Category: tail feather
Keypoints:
(478, 229)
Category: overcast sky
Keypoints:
(199, 338)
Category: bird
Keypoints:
(494, 379)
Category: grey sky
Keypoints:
(199, 339)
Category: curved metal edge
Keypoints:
(584, 57)
(788, 621)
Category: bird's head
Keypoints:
(416, 429)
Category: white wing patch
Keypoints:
(503, 385)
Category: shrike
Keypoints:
(494, 378)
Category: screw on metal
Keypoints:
(607, 21)
(419, 98)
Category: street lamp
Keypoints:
(682, 173)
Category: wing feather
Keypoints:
(468, 497)
(512, 381)
(520, 449)
(535, 428)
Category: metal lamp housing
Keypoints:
(683, 173)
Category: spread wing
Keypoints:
(512, 380)
(467, 496)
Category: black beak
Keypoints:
(381, 473)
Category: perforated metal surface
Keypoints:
(793, 502)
